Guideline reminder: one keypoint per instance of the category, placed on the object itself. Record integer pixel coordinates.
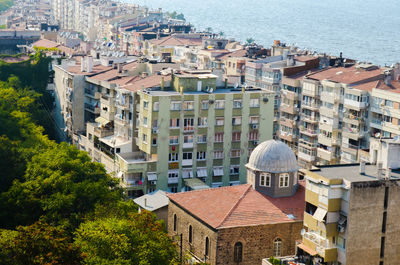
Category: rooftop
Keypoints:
(240, 205)
(393, 87)
(153, 201)
(351, 172)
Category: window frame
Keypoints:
(263, 179)
(284, 180)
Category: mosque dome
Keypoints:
(274, 157)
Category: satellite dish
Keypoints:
(302, 232)
(377, 134)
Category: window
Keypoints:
(188, 105)
(238, 252)
(219, 121)
(277, 247)
(175, 222)
(234, 170)
(172, 174)
(250, 150)
(176, 105)
(265, 179)
(145, 121)
(219, 137)
(190, 234)
(237, 104)
(174, 123)
(156, 106)
(188, 124)
(187, 156)
(204, 104)
(174, 140)
(118, 150)
(173, 189)
(201, 155)
(254, 120)
(236, 120)
(207, 247)
(144, 137)
(172, 157)
(145, 104)
(236, 136)
(219, 104)
(253, 135)
(202, 138)
(283, 180)
(154, 141)
(202, 122)
(218, 154)
(341, 242)
(254, 103)
(235, 153)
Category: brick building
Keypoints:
(245, 223)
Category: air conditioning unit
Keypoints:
(254, 126)
(153, 182)
(255, 142)
(155, 130)
(340, 228)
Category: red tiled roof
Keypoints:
(239, 206)
(346, 75)
(237, 53)
(175, 41)
(394, 86)
(367, 86)
(304, 58)
(147, 82)
(45, 43)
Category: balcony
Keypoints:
(306, 157)
(92, 94)
(287, 136)
(290, 95)
(107, 115)
(187, 145)
(328, 112)
(103, 132)
(187, 129)
(308, 131)
(91, 108)
(352, 119)
(173, 180)
(311, 106)
(309, 119)
(328, 97)
(106, 101)
(121, 121)
(349, 148)
(321, 245)
(291, 109)
(325, 154)
(353, 133)
(132, 183)
(376, 123)
(187, 162)
(287, 122)
(351, 104)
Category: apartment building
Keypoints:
(351, 212)
(334, 114)
(192, 132)
(385, 106)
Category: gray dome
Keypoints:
(274, 157)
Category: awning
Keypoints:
(187, 174)
(218, 172)
(309, 250)
(151, 176)
(201, 173)
(320, 214)
(102, 121)
(196, 184)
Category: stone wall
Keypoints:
(200, 232)
(257, 241)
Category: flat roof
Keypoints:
(351, 172)
(216, 91)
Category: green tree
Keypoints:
(209, 29)
(60, 183)
(39, 243)
(221, 33)
(250, 41)
(137, 238)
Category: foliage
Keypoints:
(175, 15)
(39, 243)
(4, 26)
(5, 4)
(136, 238)
(274, 261)
(250, 40)
(209, 29)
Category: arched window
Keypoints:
(277, 247)
(175, 221)
(238, 252)
(190, 234)
(207, 247)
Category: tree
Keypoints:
(62, 185)
(39, 243)
(137, 238)
(250, 41)
(209, 29)
(221, 33)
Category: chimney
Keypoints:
(119, 68)
(362, 167)
(145, 202)
(83, 64)
(388, 173)
(388, 78)
(379, 170)
(89, 66)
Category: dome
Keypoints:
(274, 157)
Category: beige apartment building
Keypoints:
(352, 210)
